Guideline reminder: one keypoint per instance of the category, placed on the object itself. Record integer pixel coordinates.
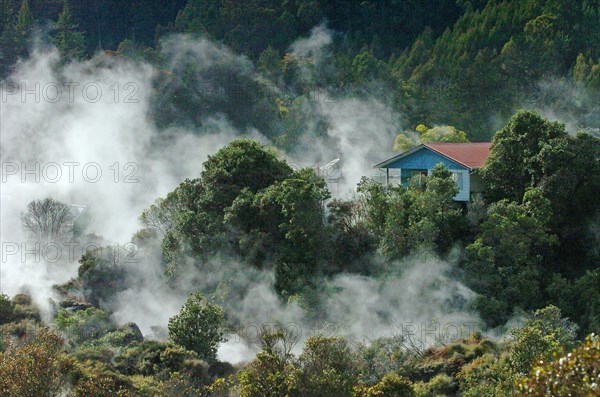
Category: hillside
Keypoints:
(299, 198)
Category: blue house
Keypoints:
(462, 159)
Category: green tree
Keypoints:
(366, 68)
(574, 374)
(7, 309)
(514, 163)
(571, 176)
(328, 368)
(283, 222)
(102, 274)
(351, 238)
(391, 385)
(505, 262)
(487, 375)
(586, 298)
(84, 325)
(423, 134)
(23, 29)
(424, 216)
(198, 327)
(243, 164)
(69, 41)
(195, 211)
(273, 373)
(541, 338)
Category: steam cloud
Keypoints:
(107, 121)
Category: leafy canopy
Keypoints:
(198, 327)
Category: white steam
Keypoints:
(140, 162)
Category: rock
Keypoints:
(134, 331)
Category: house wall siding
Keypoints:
(426, 159)
(464, 191)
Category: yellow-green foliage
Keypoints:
(576, 374)
(487, 375)
(24, 308)
(423, 134)
(35, 368)
(269, 375)
(448, 359)
(391, 385)
(145, 385)
(439, 385)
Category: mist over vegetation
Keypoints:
(173, 223)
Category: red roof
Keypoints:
(472, 155)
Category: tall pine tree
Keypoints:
(69, 41)
(15, 34)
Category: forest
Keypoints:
(244, 272)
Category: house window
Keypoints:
(421, 174)
(418, 172)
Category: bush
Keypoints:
(540, 338)
(198, 327)
(269, 375)
(575, 374)
(84, 325)
(20, 329)
(123, 336)
(391, 385)
(328, 368)
(36, 368)
(98, 380)
(142, 358)
(439, 385)
(487, 375)
(7, 309)
(24, 308)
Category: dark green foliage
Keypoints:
(505, 263)
(327, 368)
(84, 325)
(420, 217)
(571, 178)
(249, 203)
(493, 59)
(244, 26)
(351, 238)
(16, 30)
(555, 175)
(102, 274)
(243, 164)
(285, 221)
(514, 163)
(7, 309)
(468, 64)
(198, 327)
(69, 41)
(573, 374)
(196, 208)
